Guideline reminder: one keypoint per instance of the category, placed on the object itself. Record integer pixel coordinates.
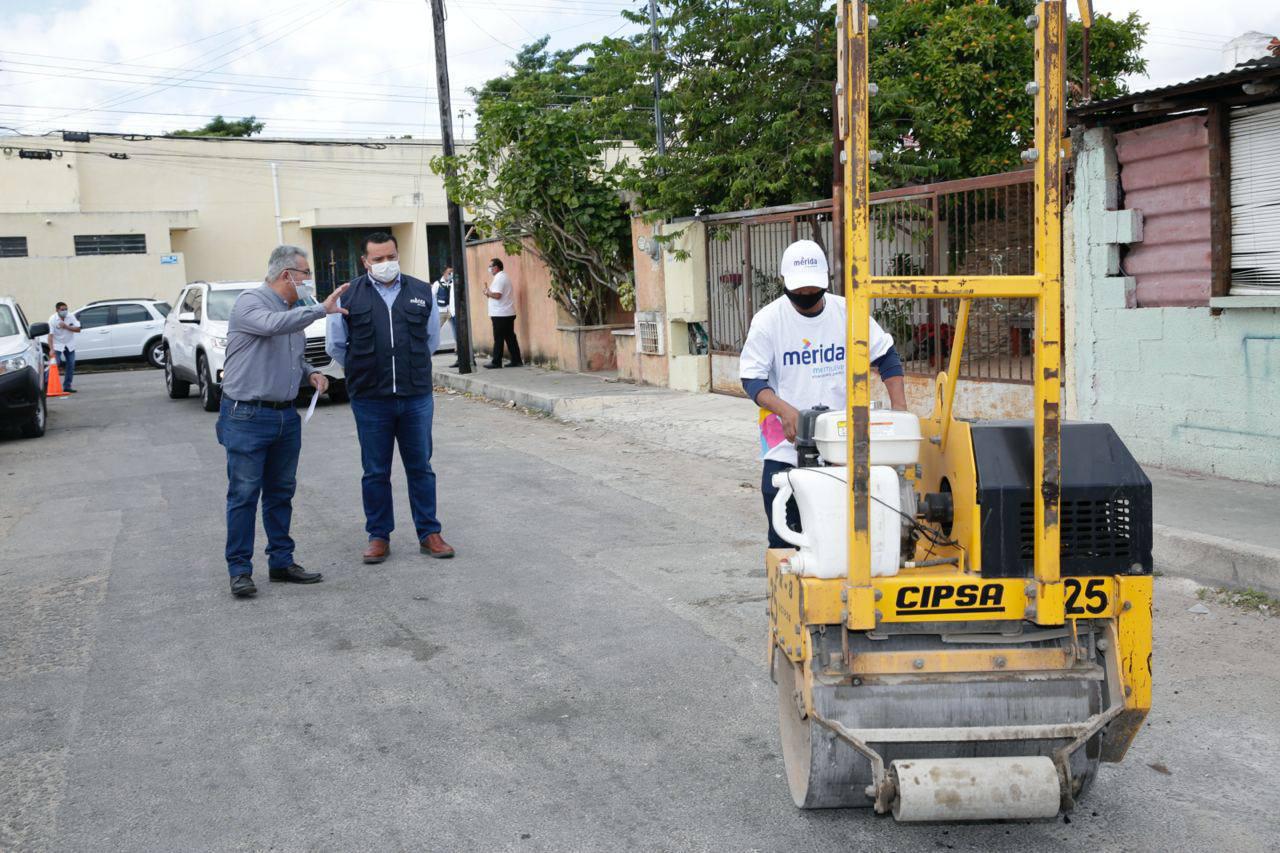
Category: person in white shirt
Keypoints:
(794, 359)
(502, 314)
(63, 328)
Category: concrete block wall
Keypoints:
(1185, 388)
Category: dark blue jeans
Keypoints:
(771, 467)
(67, 367)
(381, 423)
(262, 459)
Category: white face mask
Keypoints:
(385, 271)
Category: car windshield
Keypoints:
(8, 326)
(163, 308)
(218, 307)
(220, 302)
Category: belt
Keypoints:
(264, 404)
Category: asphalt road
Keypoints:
(588, 674)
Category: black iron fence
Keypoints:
(977, 226)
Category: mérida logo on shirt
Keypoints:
(813, 355)
(419, 302)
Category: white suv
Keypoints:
(22, 365)
(195, 342)
(122, 328)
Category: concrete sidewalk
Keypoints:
(1217, 531)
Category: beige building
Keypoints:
(141, 216)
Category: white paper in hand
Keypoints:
(311, 410)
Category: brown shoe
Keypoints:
(435, 546)
(377, 551)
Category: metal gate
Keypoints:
(977, 225)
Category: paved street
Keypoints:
(588, 674)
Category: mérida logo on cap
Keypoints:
(804, 264)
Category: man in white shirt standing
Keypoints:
(502, 314)
(63, 328)
(794, 359)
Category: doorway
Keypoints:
(337, 253)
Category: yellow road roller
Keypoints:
(964, 629)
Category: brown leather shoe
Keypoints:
(435, 546)
(377, 551)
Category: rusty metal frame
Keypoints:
(1045, 287)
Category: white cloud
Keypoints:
(365, 66)
(1186, 37)
(319, 67)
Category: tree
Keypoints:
(218, 126)
(538, 169)
(749, 97)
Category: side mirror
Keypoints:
(38, 330)
(187, 317)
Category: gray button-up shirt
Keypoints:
(266, 347)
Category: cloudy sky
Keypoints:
(364, 67)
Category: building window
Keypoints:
(13, 247)
(111, 244)
(1255, 215)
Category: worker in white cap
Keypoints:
(794, 359)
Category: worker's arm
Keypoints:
(788, 414)
(891, 373)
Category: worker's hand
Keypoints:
(790, 417)
(319, 381)
(331, 305)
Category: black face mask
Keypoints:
(803, 302)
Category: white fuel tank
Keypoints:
(822, 496)
(895, 437)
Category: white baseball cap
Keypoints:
(804, 264)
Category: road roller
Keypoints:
(963, 629)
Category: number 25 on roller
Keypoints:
(1087, 596)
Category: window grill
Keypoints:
(649, 332)
(111, 244)
(13, 247)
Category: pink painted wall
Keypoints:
(1164, 172)
(538, 316)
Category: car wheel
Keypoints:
(210, 395)
(34, 426)
(178, 390)
(338, 391)
(154, 353)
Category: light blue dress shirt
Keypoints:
(336, 325)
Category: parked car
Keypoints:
(22, 376)
(122, 328)
(195, 342)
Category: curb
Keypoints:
(1212, 559)
(493, 391)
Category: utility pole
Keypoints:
(657, 78)
(458, 257)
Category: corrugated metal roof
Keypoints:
(1198, 89)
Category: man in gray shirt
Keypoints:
(258, 424)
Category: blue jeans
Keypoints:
(381, 423)
(771, 467)
(262, 459)
(67, 367)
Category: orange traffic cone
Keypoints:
(53, 387)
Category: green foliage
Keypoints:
(538, 169)
(748, 97)
(219, 126)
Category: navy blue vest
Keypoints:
(387, 351)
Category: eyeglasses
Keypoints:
(295, 269)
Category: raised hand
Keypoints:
(331, 305)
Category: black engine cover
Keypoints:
(1106, 501)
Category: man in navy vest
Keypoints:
(384, 342)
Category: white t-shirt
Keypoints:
(63, 339)
(803, 360)
(504, 305)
